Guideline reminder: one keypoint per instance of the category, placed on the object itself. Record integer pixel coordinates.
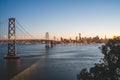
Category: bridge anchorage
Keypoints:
(11, 40)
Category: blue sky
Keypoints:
(65, 18)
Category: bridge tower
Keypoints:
(11, 40)
(47, 40)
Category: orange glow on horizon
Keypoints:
(68, 36)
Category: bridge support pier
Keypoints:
(11, 40)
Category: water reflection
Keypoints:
(27, 73)
(12, 66)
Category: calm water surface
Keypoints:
(62, 62)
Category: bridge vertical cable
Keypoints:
(3, 34)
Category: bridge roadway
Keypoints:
(29, 41)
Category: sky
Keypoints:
(65, 18)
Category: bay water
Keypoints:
(62, 62)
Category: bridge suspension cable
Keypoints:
(3, 31)
(22, 34)
(3, 35)
(25, 32)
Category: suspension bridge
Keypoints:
(12, 33)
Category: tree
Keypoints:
(109, 69)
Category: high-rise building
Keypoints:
(79, 36)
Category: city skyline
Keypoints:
(65, 18)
